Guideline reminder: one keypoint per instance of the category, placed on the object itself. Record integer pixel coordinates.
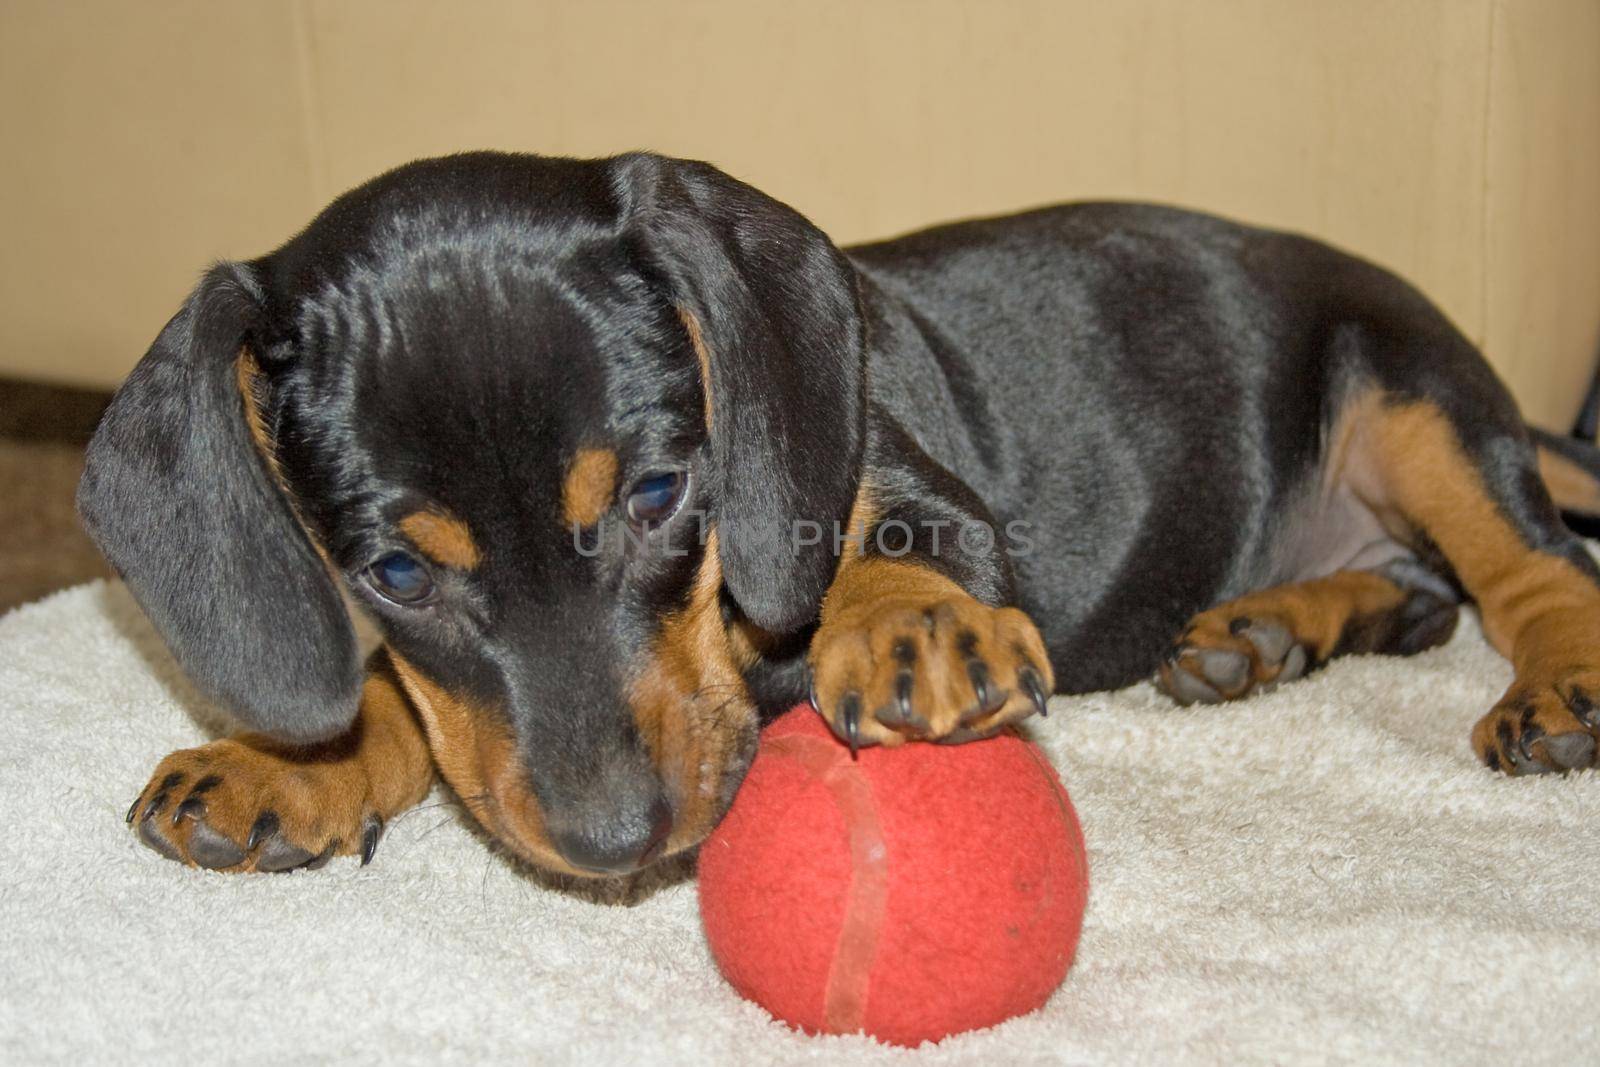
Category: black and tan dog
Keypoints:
(532, 414)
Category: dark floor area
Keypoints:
(43, 430)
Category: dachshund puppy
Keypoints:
(624, 456)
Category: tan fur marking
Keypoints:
(1537, 608)
(442, 537)
(252, 389)
(865, 579)
(1570, 486)
(875, 579)
(476, 754)
(394, 750)
(863, 517)
(690, 702)
(247, 373)
(590, 486)
(701, 353)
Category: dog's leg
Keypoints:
(250, 803)
(1471, 489)
(1260, 640)
(917, 640)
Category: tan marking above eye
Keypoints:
(590, 485)
(442, 537)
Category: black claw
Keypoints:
(370, 832)
(192, 807)
(979, 673)
(1584, 708)
(133, 809)
(1505, 743)
(320, 860)
(811, 687)
(1035, 690)
(1530, 734)
(1518, 749)
(902, 695)
(850, 710)
(266, 825)
(157, 802)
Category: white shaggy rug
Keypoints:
(1321, 875)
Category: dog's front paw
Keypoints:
(945, 669)
(248, 805)
(1543, 726)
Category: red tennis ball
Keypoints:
(912, 894)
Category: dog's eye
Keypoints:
(656, 497)
(401, 579)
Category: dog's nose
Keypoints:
(616, 846)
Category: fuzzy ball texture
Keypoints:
(912, 894)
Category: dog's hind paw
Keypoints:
(1542, 727)
(1251, 655)
(1263, 639)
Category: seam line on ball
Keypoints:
(866, 900)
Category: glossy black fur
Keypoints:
(177, 500)
(1151, 391)
(1147, 391)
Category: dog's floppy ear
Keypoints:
(780, 325)
(183, 505)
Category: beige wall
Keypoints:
(1457, 141)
